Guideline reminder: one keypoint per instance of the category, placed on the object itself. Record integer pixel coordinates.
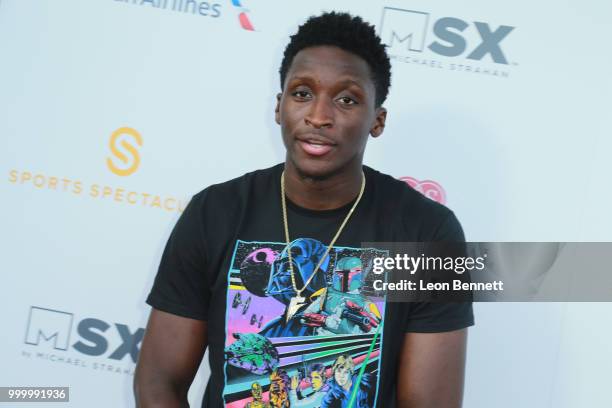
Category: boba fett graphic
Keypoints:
(342, 309)
(324, 351)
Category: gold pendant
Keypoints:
(294, 305)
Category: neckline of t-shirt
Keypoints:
(334, 212)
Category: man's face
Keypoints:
(316, 380)
(327, 110)
(342, 375)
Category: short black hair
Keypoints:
(349, 33)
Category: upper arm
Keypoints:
(431, 370)
(182, 283)
(176, 335)
(170, 354)
(432, 357)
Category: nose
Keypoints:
(321, 114)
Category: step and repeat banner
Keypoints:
(113, 113)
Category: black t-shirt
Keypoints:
(226, 262)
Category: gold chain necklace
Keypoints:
(298, 300)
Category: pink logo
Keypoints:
(428, 188)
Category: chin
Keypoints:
(316, 168)
(319, 172)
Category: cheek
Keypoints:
(356, 129)
(288, 121)
(290, 112)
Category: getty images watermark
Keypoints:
(490, 271)
(415, 264)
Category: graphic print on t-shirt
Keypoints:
(322, 349)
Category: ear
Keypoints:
(379, 122)
(277, 109)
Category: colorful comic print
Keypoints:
(322, 349)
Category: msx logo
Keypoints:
(407, 30)
(54, 328)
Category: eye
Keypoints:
(301, 94)
(345, 100)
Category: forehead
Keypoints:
(330, 64)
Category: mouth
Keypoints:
(315, 145)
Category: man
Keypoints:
(313, 392)
(346, 387)
(276, 235)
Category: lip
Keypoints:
(315, 137)
(315, 145)
(315, 149)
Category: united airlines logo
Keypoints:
(418, 38)
(243, 17)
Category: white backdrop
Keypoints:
(520, 150)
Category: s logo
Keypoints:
(123, 149)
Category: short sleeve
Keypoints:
(432, 317)
(181, 285)
(449, 230)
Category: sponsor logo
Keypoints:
(126, 152)
(196, 8)
(243, 17)
(59, 340)
(125, 160)
(49, 326)
(418, 38)
(428, 188)
(192, 7)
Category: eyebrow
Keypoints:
(344, 82)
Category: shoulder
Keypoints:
(422, 218)
(219, 203)
(236, 190)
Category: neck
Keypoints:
(325, 193)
